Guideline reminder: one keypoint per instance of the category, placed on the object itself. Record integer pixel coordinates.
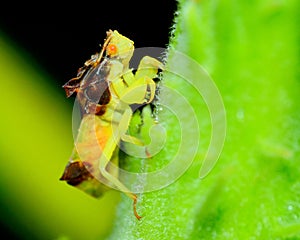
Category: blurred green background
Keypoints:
(36, 141)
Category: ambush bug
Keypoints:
(105, 88)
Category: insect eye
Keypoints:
(111, 49)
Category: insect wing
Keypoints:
(82, 170)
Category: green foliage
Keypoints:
(251, 50)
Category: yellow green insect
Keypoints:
(105, 88)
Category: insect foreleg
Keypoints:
(141, 91)
(148, 67)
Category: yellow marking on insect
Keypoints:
(106, 119)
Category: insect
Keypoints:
(106, 88)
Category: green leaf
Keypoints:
(251, 51)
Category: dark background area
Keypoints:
(61, 40)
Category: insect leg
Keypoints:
(148, 67)
(123, 127)
(119, 185)
(132, 139)
(141, 84)
(103, 163)
(138, 91)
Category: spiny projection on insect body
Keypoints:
(106, 88)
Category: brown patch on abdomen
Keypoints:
(75, 173)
